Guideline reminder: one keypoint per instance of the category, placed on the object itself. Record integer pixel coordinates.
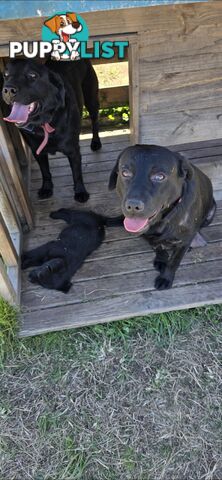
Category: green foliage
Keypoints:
(77, 461)
(118, 116)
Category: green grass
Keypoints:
(162, 327)
(8, 328)
(135, 399)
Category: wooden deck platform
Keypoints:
(116, 281)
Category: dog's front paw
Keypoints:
(46, 190)
(159, 265)
(160, 261)
(96, 144)
(163, 283)
(81, 197)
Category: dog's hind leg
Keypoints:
(36, 256)
(198, 241)
(45, 269)
(210, 215)
(46, 189)
(81, 195)
(90, 90)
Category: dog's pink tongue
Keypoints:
(19, 113)
(135, 224)
(65, 37)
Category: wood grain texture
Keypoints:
(114, 96)
(189, 125)
(6, 288)
(117, 280)
(7, 249)
(10, 249)
(102, 311)
(134, 91)
(12, 173)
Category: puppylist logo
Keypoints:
(65, 36)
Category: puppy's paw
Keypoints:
(33, 277)
(46, 190)
(81, 197)
(96, 145)
(163, 283)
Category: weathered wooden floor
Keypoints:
(116, 281)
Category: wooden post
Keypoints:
(10, 167)
(7, 249)
(134, 90)
(6, 289)
(10, 244)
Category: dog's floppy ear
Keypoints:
(57, 81)
(113, 177)
(52, 23)
(114, 174)
(73, 18)
(185, 168)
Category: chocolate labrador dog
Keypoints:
(47, 102)
(166, 199)
(57, 261)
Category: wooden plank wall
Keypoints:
(181, 76)
(10, 246)
(180, 65)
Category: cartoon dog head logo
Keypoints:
(65, 28)
(64, 25)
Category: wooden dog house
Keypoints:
(175, 92)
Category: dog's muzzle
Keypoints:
(9, 94)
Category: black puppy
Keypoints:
(165, 198)
(47, 102)
(58, 260)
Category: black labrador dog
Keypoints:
(57, 261)
(166, 199)
(47, 102)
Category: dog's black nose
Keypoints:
(10, 91)
(134, 205)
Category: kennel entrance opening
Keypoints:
(118, 89)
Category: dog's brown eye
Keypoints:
(158, 177)
(126, 173)
(32, 75)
